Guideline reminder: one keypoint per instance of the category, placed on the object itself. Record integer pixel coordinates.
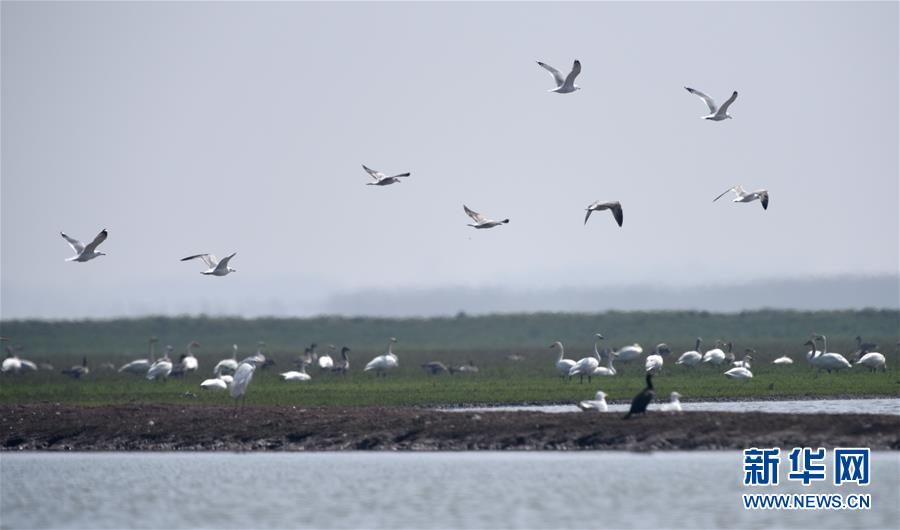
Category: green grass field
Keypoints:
(488, 341)
(499, 381)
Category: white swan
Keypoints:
(325, 361)
(296, 375)
(739, 373)
(11, 364)
(873, 360)
(562, 365)
(381, 364)
(598, 403)
(564, 85)
(215, 383)
(673, 405)
(482, 221)
(216, 266)
(828, 361)
(604, 371)
(629, 353)
(745, 362)
(654, 362)
(691, 358)
(784, 359)
(227, 366)
(715, 356)
(189, 363)
(716, 113)
(586, 365)
(161, 368)
(85, 252)
(140, 366)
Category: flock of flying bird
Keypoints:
(563, 85)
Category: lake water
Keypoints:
(411, 490)
(810, 406)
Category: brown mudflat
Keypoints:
(172, 427)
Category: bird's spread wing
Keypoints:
(764, 198)
(576, 69)
(401, 175)
(590, 209)
(101, 237)
(377, 175)
(709, 101)
(616, 208)
(209, 259)
(76, 245)
(477, 217)
(729, 190)
(223, 264)
(724, 108)
(555, 73)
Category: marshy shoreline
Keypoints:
(162, 427)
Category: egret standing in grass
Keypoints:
(242, 377)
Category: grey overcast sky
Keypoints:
(221, 127)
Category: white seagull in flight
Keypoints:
(567, 84)
(85, 253)
(614, 207)
(216, 267)
(716, 113)
(381, 179)
(747, 196)
(482, 221)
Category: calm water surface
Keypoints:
(410, 490)
(811, 406)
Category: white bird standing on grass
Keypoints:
(162, 367)
(598, 403)
(381, 179)
(564, 85)
(325, 361)
(189, 363)
(597, 206)
(85, 252)
(482, 221)
(827, 361)
(587, 365)
(654, 362)
(874, 361)
(604, 371)
(242, 377)
(715, 356)
(227, 366)
(742, 195)
(141, 366)
(716, 113)
(381, 364)
(691, 358)
(562, 365)
(216, 266)
(629, 353)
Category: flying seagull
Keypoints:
(614, 207)
(715, 113)
(482, 221)
(567, 84)
(85, 253)
(216, 267)
(381, 179)
(745, 196)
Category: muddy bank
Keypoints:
(172, 427)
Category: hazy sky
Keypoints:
(221, 127)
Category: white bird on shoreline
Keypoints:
(716, 113)
(597, 206)
(381, 179)
(216, 266)
(387, 361)
(482, 221)
(564, 85)
(673, 405)
(598, 403)
(742, 195)
(85, 252)
(562, 365)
